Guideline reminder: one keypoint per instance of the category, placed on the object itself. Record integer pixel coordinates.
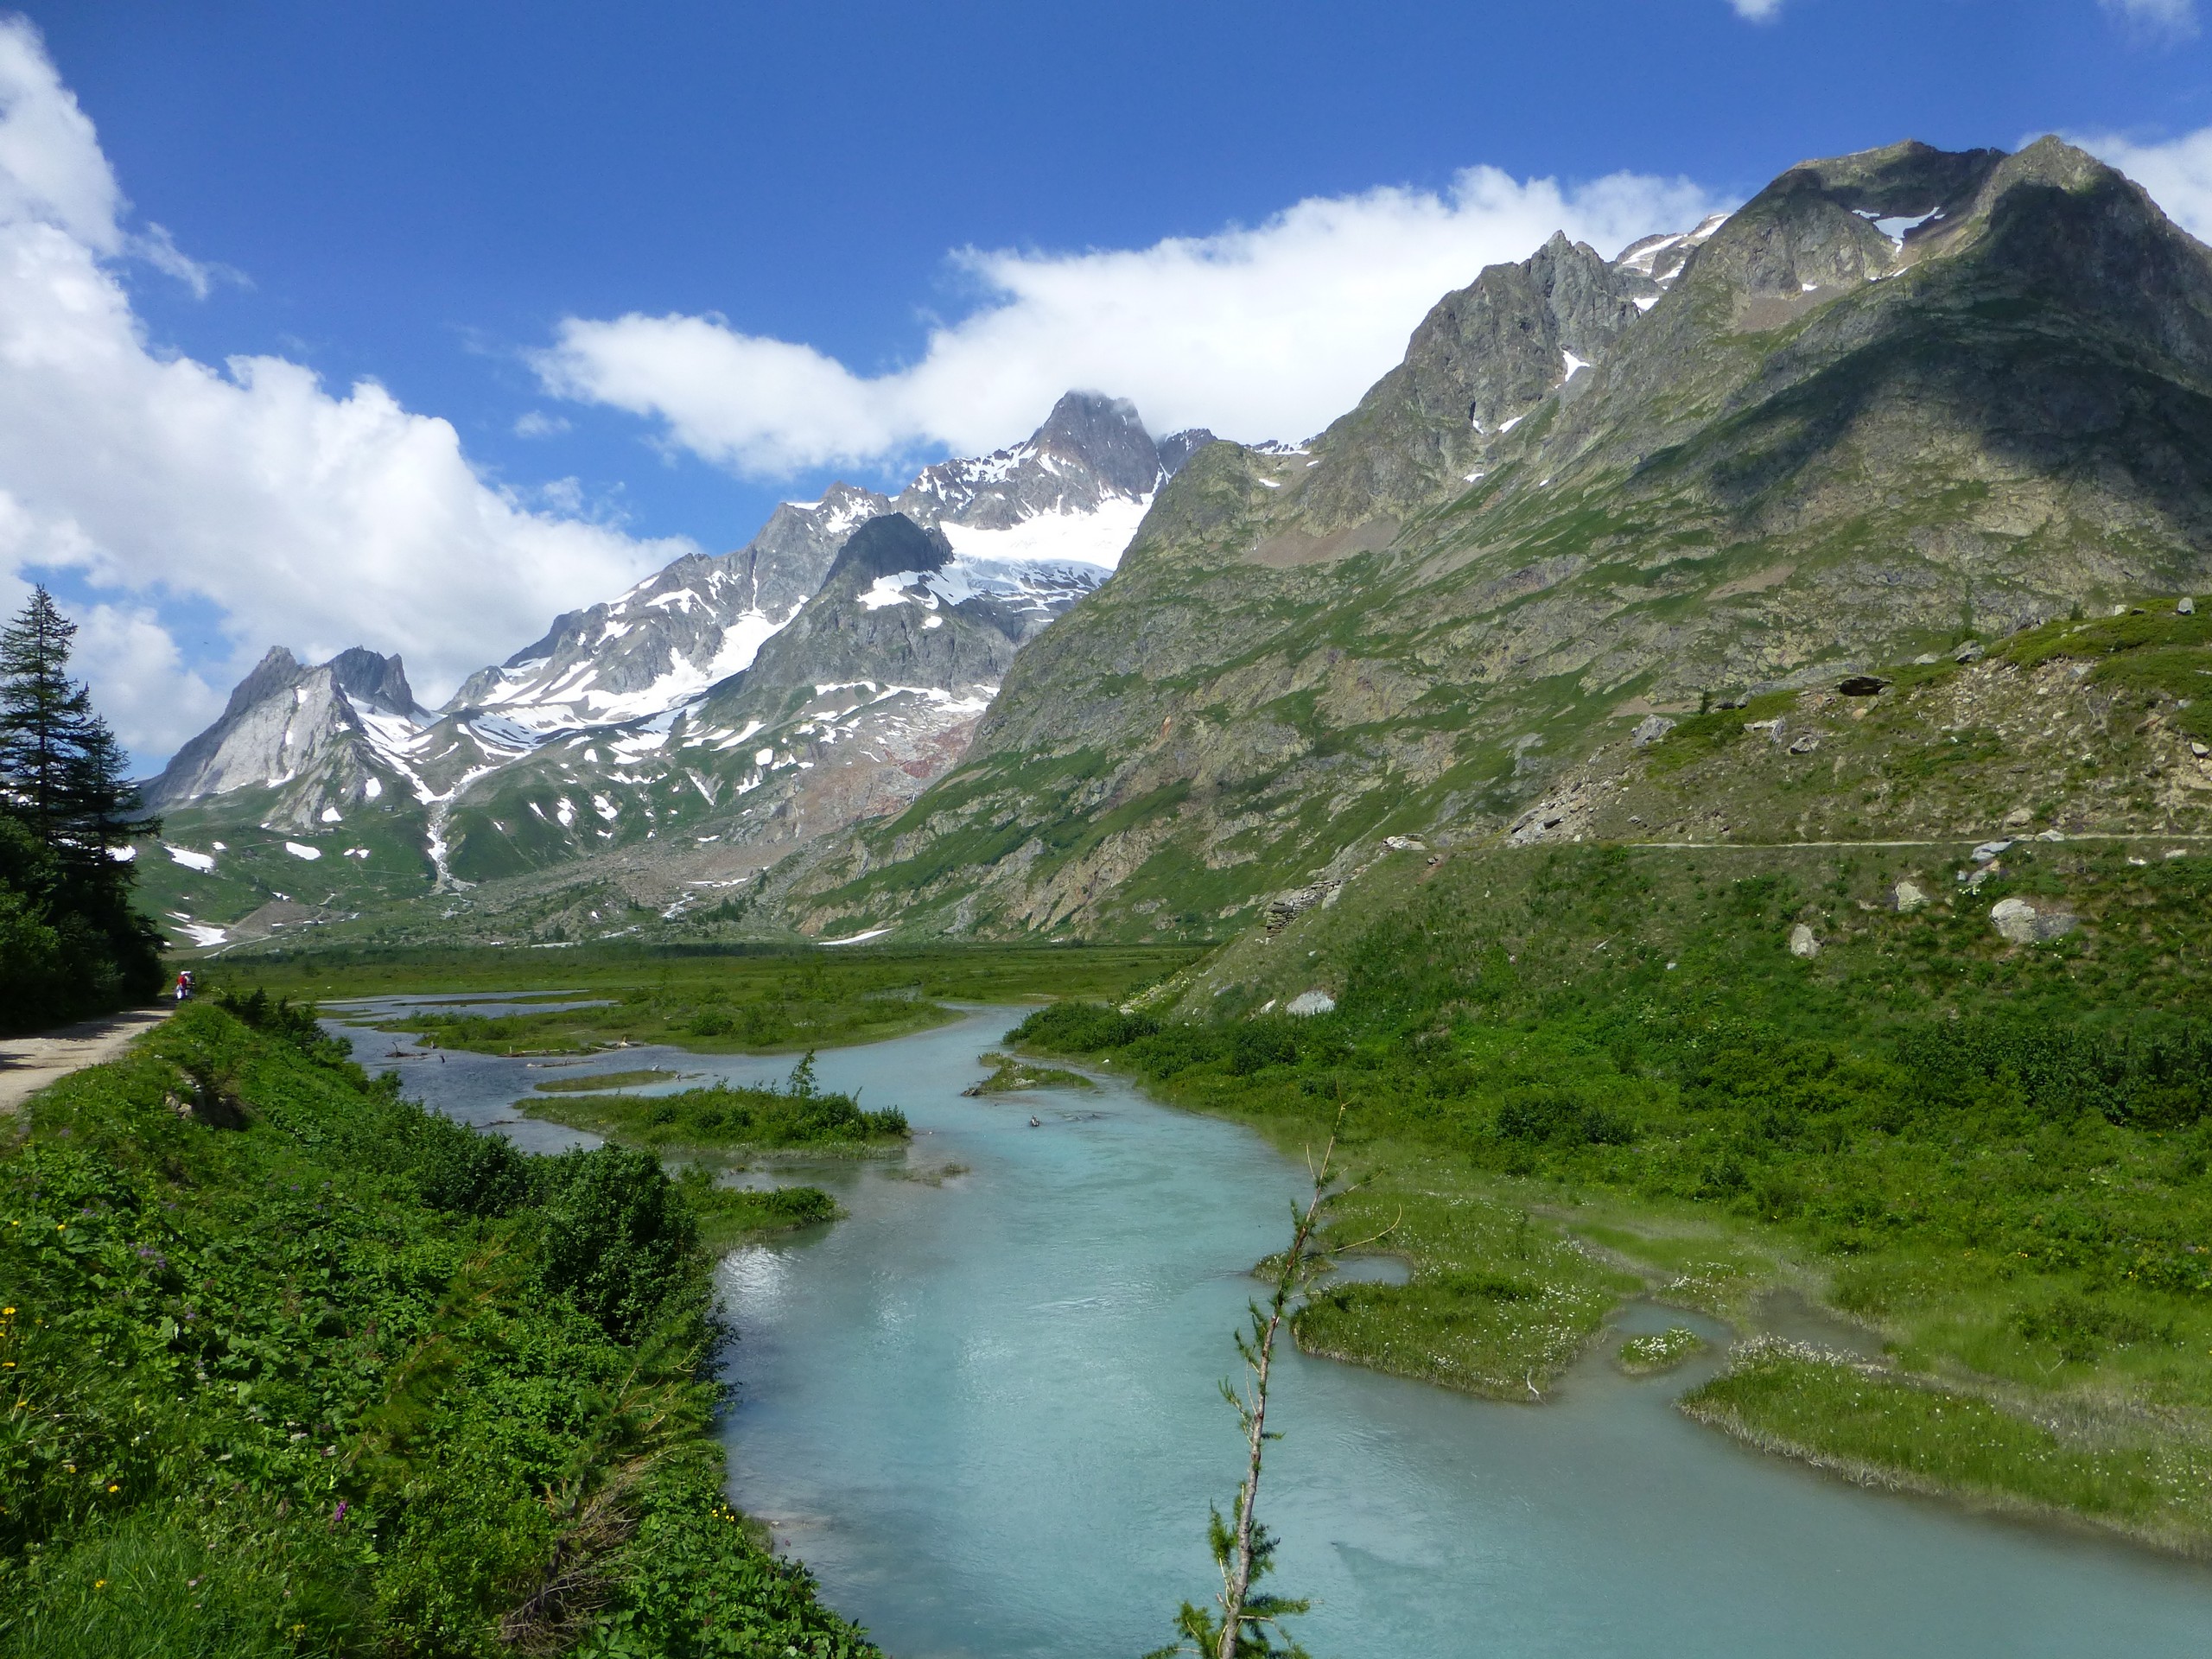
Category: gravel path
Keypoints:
(28, 1063)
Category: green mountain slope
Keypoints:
(1899, 398)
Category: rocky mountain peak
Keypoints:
(303, 730)
(1092, 449)
(279, 670)
(1104, 434)
(380, 682)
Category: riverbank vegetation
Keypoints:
(1011, 1074)
(1580, 1072)
(70, 945)
(725, 1117)
(297, 1367)
(730, 1216)
(736, 999)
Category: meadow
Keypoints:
(1569, 1075)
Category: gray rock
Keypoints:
(2025, 923)
(1908, 896)
(1307, 1003)
(1650, 730)
(1989, 850)
(1803, 942)
(2186, 607)
(1969, 652)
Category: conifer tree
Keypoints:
(59, 764)
(70, 943)
(41, 712)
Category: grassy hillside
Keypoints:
(298, 1368)
(1578, 1072)
(1818, 452)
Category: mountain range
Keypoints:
(1898, 401)
(681, 714)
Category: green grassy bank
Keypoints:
(726, 1118)
(296, 1367)
(1578, 1073)
(732, 999)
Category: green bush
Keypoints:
(322, 1377)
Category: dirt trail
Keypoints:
(28, 1063)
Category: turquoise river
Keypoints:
(983, 1408)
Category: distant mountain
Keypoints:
(848, 711)
(859, 691)
(1074, 491)
(1898, 398)
(311, 735)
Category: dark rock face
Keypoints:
(380, 682)
(1178, 447)
(865, 626)
(888, 546)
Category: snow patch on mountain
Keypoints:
(1099, 537)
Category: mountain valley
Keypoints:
(1897, 408)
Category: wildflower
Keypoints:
(99, 1584)
(113, 1487)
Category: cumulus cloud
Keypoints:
(2176, 172)
(2174, 19)
(1270, 331)
(305, 518)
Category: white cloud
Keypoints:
(2174, 19)
(1266, 331)
(2177, 172)
(537, 423)
(1758, 11)
(308, 520)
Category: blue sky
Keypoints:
(464, 204)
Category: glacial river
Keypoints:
(982, 1408)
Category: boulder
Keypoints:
(1908, 896)
(1650, 730)
(1862, 685)
(2024, 922)
(1307, 1003)
(2186, 607)
(1803, 942)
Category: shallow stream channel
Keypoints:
(982, 1408)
